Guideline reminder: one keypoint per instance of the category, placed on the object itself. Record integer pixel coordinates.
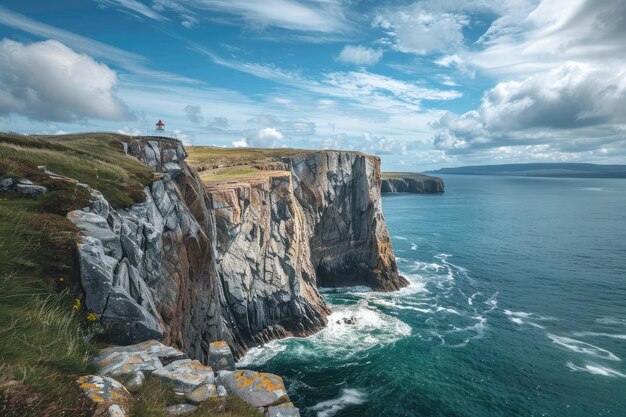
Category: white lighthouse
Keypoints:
(160, 126)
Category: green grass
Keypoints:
(153, 397)
(213, 156)
(413, 175)
(96, 159)
(42, 351)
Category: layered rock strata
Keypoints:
(411, 183)
(239, 263)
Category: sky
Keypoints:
(422, 84)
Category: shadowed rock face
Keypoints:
(340, 196)
(411, 183)
(240, 262)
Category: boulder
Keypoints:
(123, 363)
(27, 187)
(185, 375)
(166, 354)
(106, 393)
(181, 409)
(283, 410)
(116, 411)
(258, 389)
(221, 357)
(127, 321)
(6, 185)
(202, 393)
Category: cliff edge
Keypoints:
(410, 182)
(225, 249)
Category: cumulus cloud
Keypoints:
(360, 55)
(553, 32)
(241, 143)
(49, 81)
(194, 113)
(539, 109)
(265, 138)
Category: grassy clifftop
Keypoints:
(411, 175)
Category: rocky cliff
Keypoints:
(233, 260)
(407, 182)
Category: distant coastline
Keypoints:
(411, 182)
(556, 170)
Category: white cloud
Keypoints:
(132, 62)
(270, 133)
(241, 143)
(419, 29)
(360, 55)
(49, 81)
(554, 32)
(380, 91)
(543, 109)
(125, 130)
(135, 6)
(317, 16)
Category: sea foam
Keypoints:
(348, 397)
(596, 370)
(582, 347)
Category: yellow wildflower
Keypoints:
(76, 304)
(91, 316)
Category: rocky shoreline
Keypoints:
(123, 371)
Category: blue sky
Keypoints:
(422, 84)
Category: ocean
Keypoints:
(516, 307)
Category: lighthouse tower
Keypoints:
(160, 126)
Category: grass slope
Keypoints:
(41, 336)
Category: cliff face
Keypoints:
(240, 262)
(411, 183)
(340, 195)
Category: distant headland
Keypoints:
(562, 170)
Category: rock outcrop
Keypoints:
(239, 263)
(191, 382)
(398, 182)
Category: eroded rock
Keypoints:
(106, 392)
(221, 357)
(185, 375)
(283, 410)
(181, 409)
(202, 393)
(258, 389)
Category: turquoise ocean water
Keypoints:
(517, 307)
